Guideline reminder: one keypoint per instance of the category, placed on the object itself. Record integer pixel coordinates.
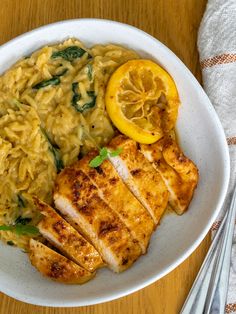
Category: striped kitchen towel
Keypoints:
(217, 49)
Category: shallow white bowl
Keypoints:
(202, 139)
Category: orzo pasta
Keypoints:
(51, 110)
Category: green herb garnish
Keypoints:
(70, 53)
(55, 80)
(21, 229)
(5, 228)
(55, 152)
(28, 229)
(76, 97)
(104, 154)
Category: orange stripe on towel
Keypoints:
(220, 59)
(216, 225)
(231, 140)
(230, 308)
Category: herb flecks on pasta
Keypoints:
(51, 110)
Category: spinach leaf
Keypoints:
(57, 158)
(10, 243)
(16, 103)
(90, 71)
(70, 53)
(104, 154)
(55, 80)
(62, 73)
(55, 152)
(92, 103)
(22, 220)
(74, 87)
(76, 97)
(21, 201)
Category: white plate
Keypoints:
(202, 139)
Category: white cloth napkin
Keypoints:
(217, 49)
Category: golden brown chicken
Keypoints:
(114, 192)
(66, 239)
(178, 172)
(140, 177)
(78, 199)
(55, 266)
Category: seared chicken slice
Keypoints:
(140, 177)
(55, 266)
(179, 173)
(66, 239)
(77, 198)
(115, 193)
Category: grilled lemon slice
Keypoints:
(142, 100)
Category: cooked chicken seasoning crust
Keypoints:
(55, 266)
(141, 178)
(66, 239)
(77, 198)
(115, 193)
(177, 171)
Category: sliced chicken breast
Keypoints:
(66, 239)
(178, 172)
(140, 177)
(77, 198)
(55, 266)
(115, 193)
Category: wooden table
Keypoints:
(175, 23)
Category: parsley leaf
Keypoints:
(21, 229)
(5, 228)
(104, 154)
(25, 230)
(95, 162)
(116, 152)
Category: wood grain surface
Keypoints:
(175, 23)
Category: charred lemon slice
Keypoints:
(142, 100)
